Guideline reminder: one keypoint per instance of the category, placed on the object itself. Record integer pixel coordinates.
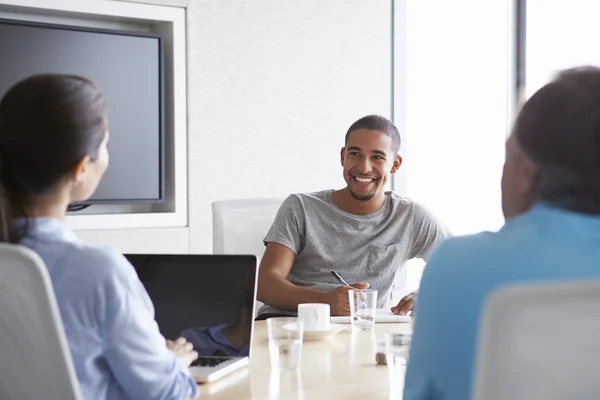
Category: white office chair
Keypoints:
(34, 356)
(540, 342)
(240, 225)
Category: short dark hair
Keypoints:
(48, 123)
(377, 123)
(558, 129)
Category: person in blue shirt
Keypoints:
(53, 152)
(551, 202)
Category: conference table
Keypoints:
(340, 367)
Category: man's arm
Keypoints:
(428, 233)
(275, 290)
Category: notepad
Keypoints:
(382, 315)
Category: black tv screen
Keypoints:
(128, 67)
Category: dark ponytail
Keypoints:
(48, 123)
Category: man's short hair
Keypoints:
(377, 123)
(558, 129)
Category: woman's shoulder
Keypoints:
(105, 274)
(101, 260)
(90, 265)
(65, 253)
(88, 279)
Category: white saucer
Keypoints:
(320, 335)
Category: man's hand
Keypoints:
(339, 301)
(405, 305)
(183, 350)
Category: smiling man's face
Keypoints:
(368, 161)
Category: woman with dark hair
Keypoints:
(53, 152)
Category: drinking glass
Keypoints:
(285, 343)
(363, 306)
(396, 352)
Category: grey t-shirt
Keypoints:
(368, 248)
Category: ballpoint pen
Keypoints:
(343, 282)
(339, 278)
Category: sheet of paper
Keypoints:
(382, 315)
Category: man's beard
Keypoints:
(365, 197)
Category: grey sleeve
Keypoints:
(289, 225)
(428, 233)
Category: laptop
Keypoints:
(208, 299)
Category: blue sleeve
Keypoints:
(136, 351)
(428, 332)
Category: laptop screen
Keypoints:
(208, 299)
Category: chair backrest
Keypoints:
(34, 356)
(240, 225)
(540, 342)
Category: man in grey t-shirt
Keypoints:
(362, 232)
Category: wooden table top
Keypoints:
(342, 366)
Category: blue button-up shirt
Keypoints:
(545, 244)
(116, 346)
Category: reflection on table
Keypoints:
(341, 367)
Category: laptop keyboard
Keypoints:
(210, 361)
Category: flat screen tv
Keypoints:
(129, 69)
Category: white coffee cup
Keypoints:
(316, 316)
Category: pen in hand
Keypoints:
(339, 278)
(343, 282)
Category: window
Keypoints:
(453, 73)
(558, 35)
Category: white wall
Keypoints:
(272, 87)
